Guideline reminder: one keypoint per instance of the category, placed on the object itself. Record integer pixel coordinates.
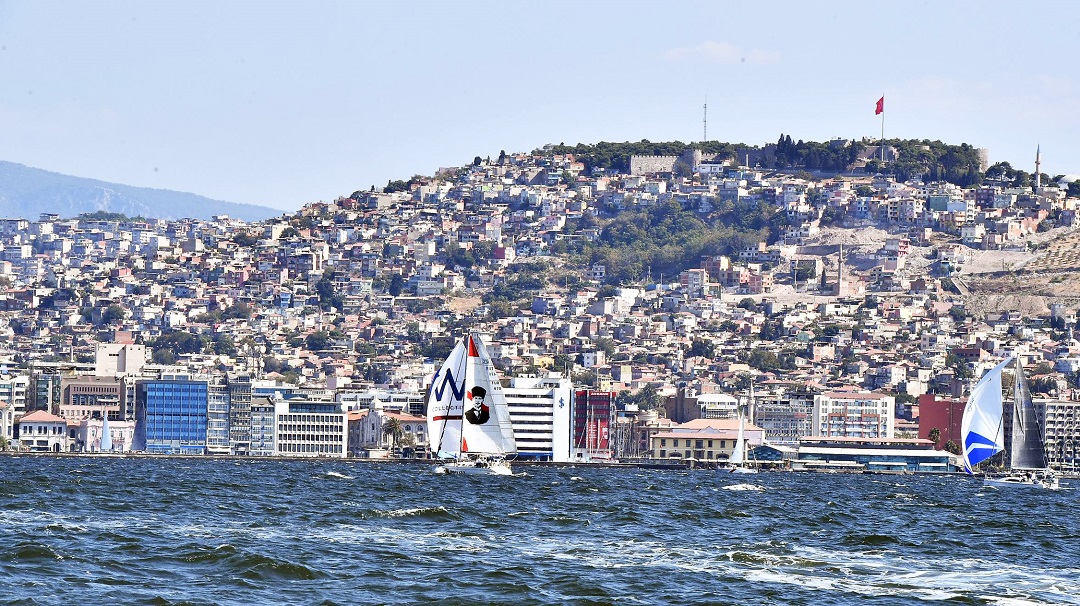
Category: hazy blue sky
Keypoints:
(285, 103)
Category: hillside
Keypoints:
(26, 192)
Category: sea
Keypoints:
(202, 531)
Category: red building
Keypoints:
(941, 414)
(593, 411)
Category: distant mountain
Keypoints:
(27, 192)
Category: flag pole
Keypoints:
(882, 146)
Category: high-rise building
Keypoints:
(593, 412)
(217, 417)
(239, 413)
(171, 416)
(262, 427)
(540, 411)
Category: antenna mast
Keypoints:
(705, 120)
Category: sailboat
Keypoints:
(982, 430)
(737, 461)
(468, 420)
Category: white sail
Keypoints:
(445, 404)
(486, 424)
(981, 429)
(106, 436)
(467, 411)
(738, 455)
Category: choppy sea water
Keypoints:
(203, 531)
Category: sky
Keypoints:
(286, 103)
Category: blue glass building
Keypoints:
(171, 416)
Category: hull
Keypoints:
(490, 467)
(1023, 481)
(740, 470)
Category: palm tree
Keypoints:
(935, 436)
(392, 429)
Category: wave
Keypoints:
(739, 487)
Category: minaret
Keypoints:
(840, 272)
(1038, 161)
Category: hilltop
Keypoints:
(27, 192)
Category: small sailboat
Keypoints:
(468, 419)
(737, 462)
(982, 430)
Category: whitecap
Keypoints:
(743, 487)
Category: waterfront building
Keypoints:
(943, 414)
(785, 416)
(171, 416)
(592, 414)
(368, 436)
(86, 436)
(540, 412)
(822, 453)
(1061, 423)
(217, 417)
(262, 427)
(42, 431)
(310, 429)
(703, 440)
(239, 396)
(846, 414)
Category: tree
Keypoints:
(317, 341)
(113, 313)
(392, 430)
(703, 348)
(395, 186)
(960, 367)
(952, 447)
(224, 345)
(397, 284)
(935, 436)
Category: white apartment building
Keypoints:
(310, 429)
(845, 414)
(1061, 422)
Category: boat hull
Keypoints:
(740, 470)
(490, 468)
(1026, 482)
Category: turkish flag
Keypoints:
(880, 106)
